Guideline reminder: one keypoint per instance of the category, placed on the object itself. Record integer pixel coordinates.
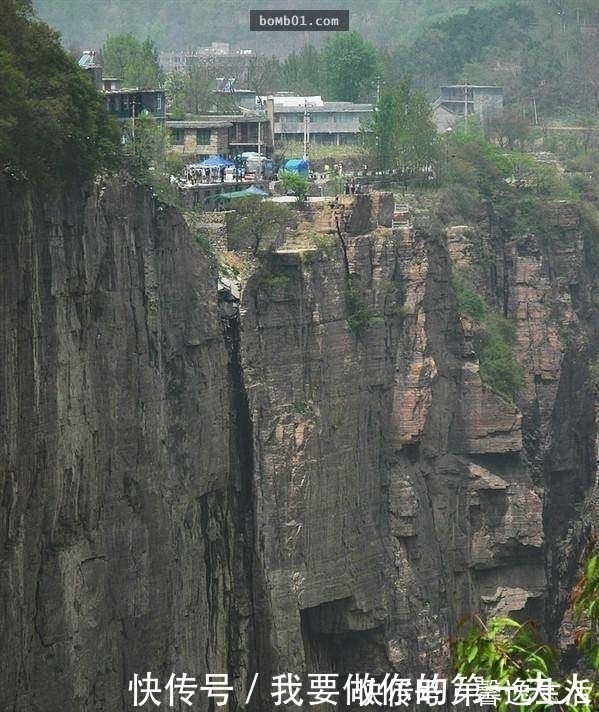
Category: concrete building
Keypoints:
(129, 103)
(225, 135)
(459, 100)
(124, 103)
(329, 122)
(218, 55)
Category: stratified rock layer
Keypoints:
(275, 491)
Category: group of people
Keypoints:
(206, 175)
(351, 187)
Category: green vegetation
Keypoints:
(280, 279)
(350, 67)
(494, 344)
(544, 54)
(468, 301)
(274, 275)
(191, 92)
(493, 341)
(303, 71)
(402, 135)
(203, 240)
(504, 650)
(146, 146)
(585, 605)
(296, 184)
(446, 47)
(135, 62)
(53, 122)
(148, 141)
(480, 175)
(326, 244)
(589, 224)
(256, 224)
(358, 312)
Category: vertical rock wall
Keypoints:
(395, 493)
(275, 491)
(117, 522)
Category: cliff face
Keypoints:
(118, 519)
(274, 492)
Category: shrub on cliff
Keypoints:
(502, 651)
(53, 122)
(493, 341)
(358, 311)
(499, 368)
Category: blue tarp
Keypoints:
(214, 162)
(297, 165)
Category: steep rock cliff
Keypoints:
(395, 492)
(275, 491)
(119, 522)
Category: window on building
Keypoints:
(178, 136)
(202, 137)
(159, 103)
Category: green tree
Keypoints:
(296, 184)
(302, 72)
(191, 91)
(256, 224)
(503, 650)
(350, 67)
(402, 135)
(148, 140)
(135, 62)
(53, 122)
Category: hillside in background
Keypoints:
(543, 52)
(188, 23)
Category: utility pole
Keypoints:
(466, 104)
(306, 129)
(133, 122)
(259, 124)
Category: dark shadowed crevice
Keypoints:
(248, 626)
(337, 640)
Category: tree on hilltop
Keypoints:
(53, 121)
(135, 62)
(350, 67)
(402, 135)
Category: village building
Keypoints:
(219, 56)
(458, 101)
(325, 122)
(124, 103)
(223, 135)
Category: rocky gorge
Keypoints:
(279, 489)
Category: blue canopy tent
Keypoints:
(297, 165)
(209, 170)
(214, 162)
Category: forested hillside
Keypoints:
(178, 24)
(543, 52)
